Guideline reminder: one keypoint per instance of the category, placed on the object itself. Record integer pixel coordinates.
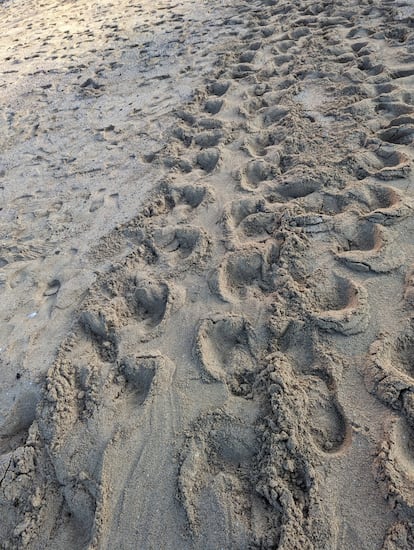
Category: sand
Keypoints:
(207, 275)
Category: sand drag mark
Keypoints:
(239, 372)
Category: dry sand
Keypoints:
(207, 277)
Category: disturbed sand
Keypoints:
(207, 275)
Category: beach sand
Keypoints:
(207, 275)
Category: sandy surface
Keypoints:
(207, 275)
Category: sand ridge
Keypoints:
(238, 370)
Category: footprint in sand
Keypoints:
(342, 306)
(256, 172)
(91, 429)
(305, 358)
(204, 140)
(213, 106)
(227, 350)
(151, 303)
(129, 306)
(250, 219)
(101, 333)
(217, 481)
(388, 205)
(218, 88)
(399, 132)
(178, 200)
(297, 185)
(395, 109)
(370, 247)
(183, 247)
(385, 163)
(208, 159)
(249, 271)
(329, 429)
(374, 202)
(390, 371)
